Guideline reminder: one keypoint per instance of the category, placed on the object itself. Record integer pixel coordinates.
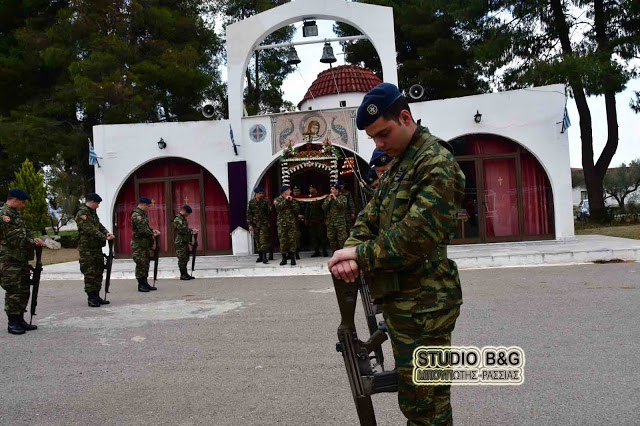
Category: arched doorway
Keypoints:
(170, 183)
(508, 196)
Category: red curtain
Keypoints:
(534, 193)
(487, 145)
(188, 192)
(125, 204)
(157, 211)
(217, 214)
(501, 197)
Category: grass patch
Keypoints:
(50, 257)
(620, 231)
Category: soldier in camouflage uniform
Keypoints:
(259, 220)
(334, 207)
(350, 210)
(142, 243)
(92, 236)
(301, 228)
(15, 246)
(369, 184)
(183, 238)
(399, 243)
(315, 220)
(287, 210)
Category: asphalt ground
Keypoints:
(261, 351)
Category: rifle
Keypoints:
(370, 314)
(194, 249)
(35, 281)
(363, 378)
(156, 254)
(107, 266)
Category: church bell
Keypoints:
(292, 56)
(327, 54)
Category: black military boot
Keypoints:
(316, 253)
(92, 300)
(15, 327)
(260, 258)
(146, 283)
(324, 252)
(270, 253)
(26, 325)
(264, 257)
(101, 300)
(297, 254)
(293, 258)
(284, 259)
(184, 275)
(141, 287)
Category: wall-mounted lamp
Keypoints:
(162, 144)
(478, 117)
(309, 28)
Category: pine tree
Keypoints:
(36, 210)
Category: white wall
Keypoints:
(126, 147)
(353, 99)
(529, 117)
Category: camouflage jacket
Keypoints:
(315, 213)
(142, 236)
(287, 211)
(401, 235)
(335, 208)
(184, 234)
(351, 206)
(16, 241)
(91, 233)
(259, 212)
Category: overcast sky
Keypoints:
(298, 82)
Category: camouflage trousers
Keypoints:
(421, 405)
(287, 236)
(92, 267)
(142, 257)
(337, 235)
(262, 237)
(183, 252)
(15, 280)
(318, 236)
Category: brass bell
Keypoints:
(327, 54)
(292, 56)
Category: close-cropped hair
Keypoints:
(393, 113)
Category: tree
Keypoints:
(36, 209)
(431, 48)
(622, 181)
(64, 192)
(588, 45)
(268, 68)
(577, 179)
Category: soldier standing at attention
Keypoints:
(92, 236)
(300, 222)
(315, 220)
(15, 244)
(335, 206)
(183, 238)
(287, 210)
(141, 243)
(350, 210)
(259, 220)
(399, 242)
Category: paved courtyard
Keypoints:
(261, 351)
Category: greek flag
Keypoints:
(93, 157)
(566, 122)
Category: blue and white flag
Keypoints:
(566, 122)
(93, 157)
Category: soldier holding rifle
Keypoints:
(399, 243)
(141, 243)
(184, 235)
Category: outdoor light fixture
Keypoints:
(292, 56)
(327, 54)
(478, 117)
(162, 144)
(309, 29)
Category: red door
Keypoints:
(157, 211)
(188, 192)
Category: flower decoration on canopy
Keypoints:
(328, 148)
(288, 151)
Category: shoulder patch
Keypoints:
(139, 217)
(83, 217)
(6, 219)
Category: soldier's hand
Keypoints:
(38, 242)
(300, 216)
(110, 236)
(346, 270)
(342, 255)
(250, 228)
(289, 197)
(353, 217)
(195, 231)
(156, 232)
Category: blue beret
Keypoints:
(187, 208)
(337, 185)
(145, 200)
(380, 158)
(372, 175)
(258, 189)
(283, 188)
(376, 103)
(94, 197)
(19, 194)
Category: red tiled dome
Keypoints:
(349, 78)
